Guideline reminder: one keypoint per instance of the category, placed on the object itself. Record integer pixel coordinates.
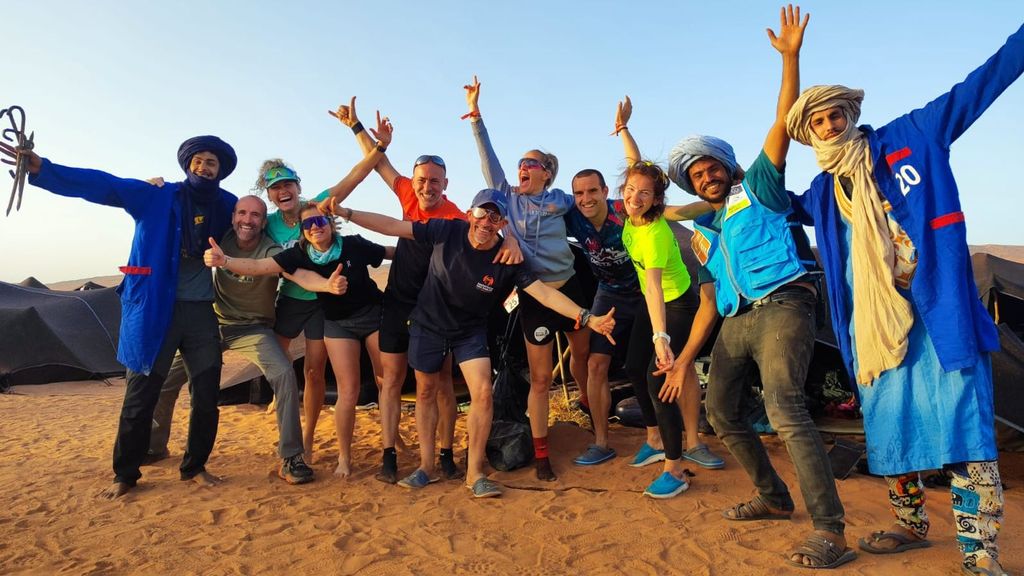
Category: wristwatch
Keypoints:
(668, 339)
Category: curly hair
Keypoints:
(660, 179)
(261, 181)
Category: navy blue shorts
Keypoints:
(428, 349)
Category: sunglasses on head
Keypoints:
(429, 159)
(659, 173)
(531, 164)
(318, 221)
(480, 212)
(279, 172)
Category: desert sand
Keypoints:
(57, 441)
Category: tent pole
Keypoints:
(560, 368)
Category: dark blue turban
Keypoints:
(222, 150)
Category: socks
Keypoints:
(390, 459)
(540, 447)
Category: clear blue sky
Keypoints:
(117, 86)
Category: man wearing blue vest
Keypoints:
(757, 272)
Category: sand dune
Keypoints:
(56, 456)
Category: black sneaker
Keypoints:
(295, 471)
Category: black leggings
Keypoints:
(641, 362)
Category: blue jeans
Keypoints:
(776, 339)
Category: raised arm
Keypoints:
(950, 115)
(788, 42)
(622, 114)
(340, 191)
(489, 164)
(214, 258)
(347, 116)
(378, 223)
(555, 300)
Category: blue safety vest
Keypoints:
(757, 251)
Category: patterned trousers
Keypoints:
(977, 507)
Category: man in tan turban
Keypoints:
(905, 310)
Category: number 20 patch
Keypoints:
(907, 175)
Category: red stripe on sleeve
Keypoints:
(136, 270)
(947, 219)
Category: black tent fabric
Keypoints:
(31, 282)
(50, 336)
(1001, 287)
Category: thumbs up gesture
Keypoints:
(214, 256)
(336, 283)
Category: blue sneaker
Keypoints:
(417, 480)
(704, 457)
(594, 455)
(666, 486)
(647, 455)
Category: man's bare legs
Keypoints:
(600, 395)
(426, 417)
(344, 354)
(447, 412)
(478, 378)
(579, 353)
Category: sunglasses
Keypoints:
(531, 164)
(643, 165)
(318, 221)
(491, 215)
(278, 173)
(429, 159)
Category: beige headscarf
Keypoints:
(882, 318)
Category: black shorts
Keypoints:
(428, 349)
(358, 326)
(626, 306)
(539, 323)
(296, 316)
(394, 327)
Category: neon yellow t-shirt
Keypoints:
(654, 246)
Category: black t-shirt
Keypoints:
(462, 283)
(356, 254)
(408, 271)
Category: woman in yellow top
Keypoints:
(672, 304)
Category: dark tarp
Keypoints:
(1001, 286)
(52, 336)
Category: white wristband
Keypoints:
(668, 339)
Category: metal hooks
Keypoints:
(16, 135)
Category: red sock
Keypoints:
(540, 447)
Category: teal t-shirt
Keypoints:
(288, 236)
(654, 246)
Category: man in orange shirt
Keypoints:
(422, 198)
